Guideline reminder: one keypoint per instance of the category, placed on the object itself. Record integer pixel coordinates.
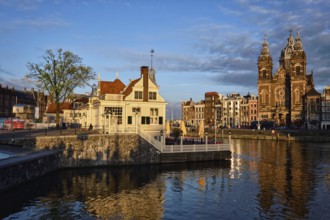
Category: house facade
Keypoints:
(325, 105)
(115, 107)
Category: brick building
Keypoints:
(9, 97)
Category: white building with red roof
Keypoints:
(115, 107)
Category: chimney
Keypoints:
(145, 78)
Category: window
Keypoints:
(154, 116)
(138, 94)
(136, 110)
(145, 120)
(160, 120)
(152, 95)
(129, 120)
(116, 112)
(264, 74)
(297, 70)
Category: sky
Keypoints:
(199, 45)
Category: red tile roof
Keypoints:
(129, 88)
(211, 93)
(51, 108)
(114, 87)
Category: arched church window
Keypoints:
(298, 96)
(297, 70)
(264, 97)
(264, 74)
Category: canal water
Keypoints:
(264, 180)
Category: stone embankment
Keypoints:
(56, 152)
(279, 135)
(95, 150)
(17, 170)
(86, 150)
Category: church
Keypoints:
(288, 97)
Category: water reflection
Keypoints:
(264, 180)
(287, 172)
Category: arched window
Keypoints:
(264, 97)
(297, 96)
(297, 70)
(264, 74)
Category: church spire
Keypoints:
(265, 49)
(290, 40)
(265, 62)
(298, 45)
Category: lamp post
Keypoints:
(109, 116)
(103, 122)
(181, 139)
(136, 120)
(215, 126)
(162, 139)
(206, 137)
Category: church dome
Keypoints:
(298, 45)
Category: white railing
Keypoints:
(150, 139)
(195, 148)
(183, 148)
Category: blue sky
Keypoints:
(200, 46)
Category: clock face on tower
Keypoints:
(279, 93)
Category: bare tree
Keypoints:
(59, 74)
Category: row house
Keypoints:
(230, 117)
(249, 110)
(221, 111)
(325, 102)
(210, 112)
(188, 112)
(199, 112)
(312, 109)
(28, 104)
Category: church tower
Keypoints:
(265, 63)
(281, 95)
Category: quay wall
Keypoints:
(101, 150)
(17, 170)
(281, 137)
(56, 152)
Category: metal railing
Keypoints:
(195, 148)
(183, 148)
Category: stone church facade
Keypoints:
(283, 95)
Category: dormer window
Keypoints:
(152, 95)
(138, 95)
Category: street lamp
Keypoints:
(181, 135)
(161, 139)
(206, 137)
(215, 126)
(136, 120)
(103, 121)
